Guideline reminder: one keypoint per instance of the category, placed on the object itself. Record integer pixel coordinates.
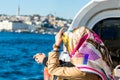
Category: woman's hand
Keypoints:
(58, 37)
(39, 57)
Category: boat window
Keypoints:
(108, 28)
(109, 31)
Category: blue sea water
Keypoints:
(16, 55)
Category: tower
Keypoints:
(18, 10)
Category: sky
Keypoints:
(61, 8)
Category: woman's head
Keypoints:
(82, 41)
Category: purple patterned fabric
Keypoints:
(92, 54)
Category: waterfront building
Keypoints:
(15, 26)
(5, 25)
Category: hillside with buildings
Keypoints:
(32, 23)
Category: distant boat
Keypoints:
(18, 31)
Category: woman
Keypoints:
(88, 55)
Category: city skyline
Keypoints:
(62, 8)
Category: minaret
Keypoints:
(18, 10)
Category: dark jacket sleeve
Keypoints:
(45, 61)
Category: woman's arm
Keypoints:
(42, 59)
(54, 68)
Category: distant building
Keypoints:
(6, 25)
(15, 26)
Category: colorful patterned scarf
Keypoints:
(87, 52)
